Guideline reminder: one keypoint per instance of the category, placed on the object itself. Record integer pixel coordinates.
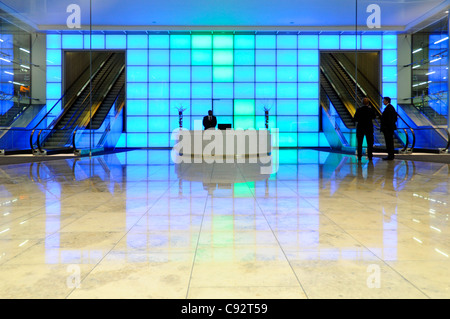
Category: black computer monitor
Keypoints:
(223, 126)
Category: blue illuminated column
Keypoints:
(7, 71)
(54, 71)
(388, 45)
(308, 90)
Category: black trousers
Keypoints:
(360, 134)
(389, 138)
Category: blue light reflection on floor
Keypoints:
(172, 204)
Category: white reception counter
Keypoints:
(226, 143)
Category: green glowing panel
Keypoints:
(244, 122)
(244, 107)
(222, 74)
(222, 41)
(201, 41)
(244, 189)
(223, 57)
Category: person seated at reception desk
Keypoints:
(209, 121)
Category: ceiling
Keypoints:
(317, 15)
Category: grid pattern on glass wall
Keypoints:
(165, 71)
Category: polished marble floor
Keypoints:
(141, 224)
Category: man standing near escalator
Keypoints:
(387, 126)
(364, 117)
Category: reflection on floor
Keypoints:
(137, 225)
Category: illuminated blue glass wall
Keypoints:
(437, 73)
(7, 72)
(238, 73)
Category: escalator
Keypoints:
(13, 112)
(331, 92)
(340, 89)
(108, 102)
(89, 103)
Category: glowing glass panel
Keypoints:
(180, 74)
(201, 57)
(114, 41)
(158, 74)
(287, 57)
(223, 57)
(265, 57)
(72, 41)
(180, 41)
(201, 41)
(180, 57)
(158, 124)
(308, 41)
(53, 41)
(265, 74)
(308, 74)
(244, 41)
(286, 90)
(287, 42)
(222, 41)
(158, 57)
(54, 57)
(137, 41)
(308, 57)
(201, 74)
(287, 74)
(371, 42)
(137, 74)
(137, 124)
(244, 74)
(329, 42)
(136, 107)
(244, 107)
(137, 90)
(266, 41)
(222, 74)
(137, 57)
(160, 41)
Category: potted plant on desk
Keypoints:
(181, 109)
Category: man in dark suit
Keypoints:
(364, 116)
(209, 121)
(388, 125)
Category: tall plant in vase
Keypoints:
(181, 109)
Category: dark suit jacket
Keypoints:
(364, 117)
(209, 124)
(388, 119)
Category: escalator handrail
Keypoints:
(71, 101)
(84, 104)
(85, 122)
(343, 100)
(378, 108)
(87, 96)
(92, 92)
(77, 122)
(117, 110)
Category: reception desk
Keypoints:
(227, 143)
